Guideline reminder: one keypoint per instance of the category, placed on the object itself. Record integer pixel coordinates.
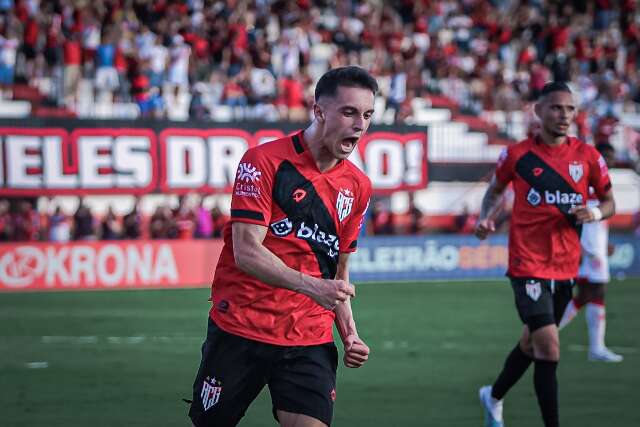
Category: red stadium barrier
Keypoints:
(108, 265)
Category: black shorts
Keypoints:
(541, 302)
(234, 370)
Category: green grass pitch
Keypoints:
(126, 358)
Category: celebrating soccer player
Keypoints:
(282, 279)
(551, 175)
(593, 277)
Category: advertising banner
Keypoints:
(108, 265)
(81, 159)
(191, 263)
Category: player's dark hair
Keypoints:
(350, 76)
(554, 87)
(603, 147)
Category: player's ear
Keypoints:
(318, 113)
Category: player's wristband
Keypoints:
(596, 213)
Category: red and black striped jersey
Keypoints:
(544, 238)
(310, 217)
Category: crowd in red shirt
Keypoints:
(479, 54)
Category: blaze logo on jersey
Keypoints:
(576, 171)
(210, 394)
(344, 203)
(533, 289)
(248, 173)
(553, 198)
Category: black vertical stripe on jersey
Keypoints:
(297, 144)
(548, 180)
(310, 210)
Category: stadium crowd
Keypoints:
(262, 57)
(20, 221)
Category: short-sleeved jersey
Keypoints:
(544, 238)
(310, 217)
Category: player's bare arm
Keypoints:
(356, 352)
(253, 258)
(490, 202)
(606, 209)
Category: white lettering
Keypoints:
(165, 267)
(137, 265)
(82, 261)
(19, 160)
(183, 150)
(224, 155)
(131, 155)
(56, 268)
(115, 253)
(52, 165)
(376, 151)
(91, 160)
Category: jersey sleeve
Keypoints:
(349, 237)
(252, 189)
(504, 167)
(599, 174)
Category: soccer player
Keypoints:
(593, 277)
(551, 174)
(282, 278)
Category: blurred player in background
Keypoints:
(593, 277)
(551, 175)
(282, 278)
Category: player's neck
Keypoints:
(552, 140)
(323, 157)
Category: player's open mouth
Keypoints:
(349, 143)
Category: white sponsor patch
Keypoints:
(533, 289)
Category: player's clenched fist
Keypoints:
(483, 228)
(356, 352)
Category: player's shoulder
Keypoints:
(361, 179)
(516, 150)
(280, 147)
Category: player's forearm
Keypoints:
(490, 202)
(261, 263)
(344, 321)
(608, 208)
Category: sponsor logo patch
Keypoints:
(299, 194)
(533, 289)
(210, 394)
(537, 171)
(282, 227)
(533, 197)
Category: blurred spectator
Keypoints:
(465, 221)
(219, 220)
(59, 226)
(162, 224)
(5, 221)
(83, 223)
(8, 50)
(110, 228)
(381, 218)
(72, 69)
(25, 222)
(204, 221)
(184, 219)
(131, 222)
(415, 216)
(106, 73)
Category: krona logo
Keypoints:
(84, 265)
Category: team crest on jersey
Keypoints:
(344, 203)
(576, 172)
(534, 289)
(210, 394)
